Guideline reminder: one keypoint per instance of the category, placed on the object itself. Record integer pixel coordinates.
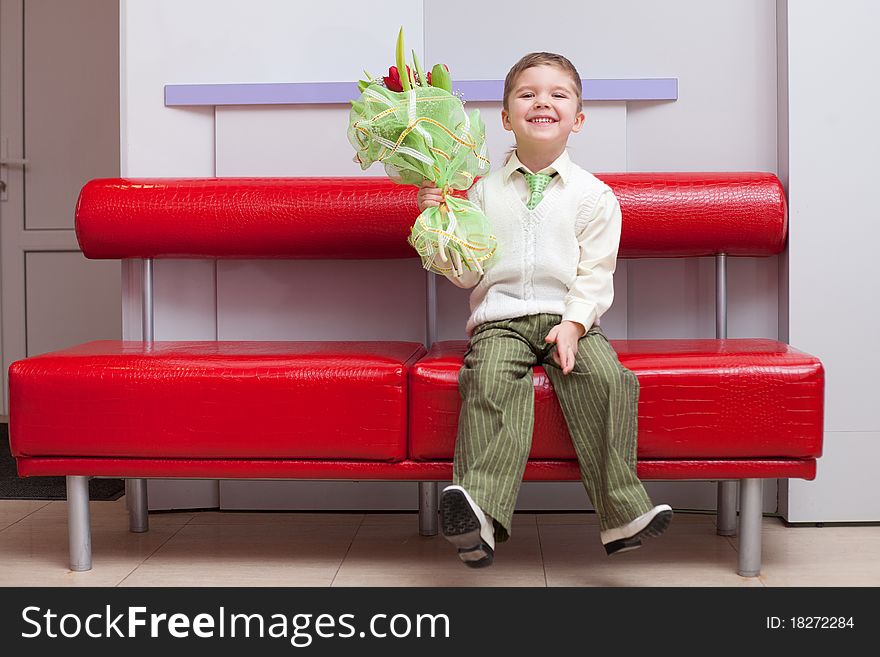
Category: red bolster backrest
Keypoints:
(664, 215)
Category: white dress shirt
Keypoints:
(558, 258)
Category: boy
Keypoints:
(539, 303)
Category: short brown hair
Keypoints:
(542, 59)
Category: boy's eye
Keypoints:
(529, 94)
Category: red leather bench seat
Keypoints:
(734, 399)
(214, 400)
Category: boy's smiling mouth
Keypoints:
(542, 120)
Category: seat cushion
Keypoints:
(297, 400)
(699, 399)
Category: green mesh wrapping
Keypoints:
(426, 134)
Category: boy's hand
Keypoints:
(429, 196)
(565, 335)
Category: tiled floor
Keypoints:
(334, 549)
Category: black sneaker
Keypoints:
(464, 524)
(629, 537)
(622, 545)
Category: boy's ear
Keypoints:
(505, 120)
(579, 121)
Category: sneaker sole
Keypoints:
(657, 526)
(622, 545)
(461, 527)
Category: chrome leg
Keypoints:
(79, 523)
(428, 520)
(138, 515)
(751, 500)
(726, 513)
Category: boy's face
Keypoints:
(541, 93)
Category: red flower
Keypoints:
(393, 79)
(428, 74)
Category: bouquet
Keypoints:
(417, 128)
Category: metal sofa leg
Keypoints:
(138, 515)
(79, 523)
(726, 513)
(428, 508)
(751, 500)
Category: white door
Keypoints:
(59, 127)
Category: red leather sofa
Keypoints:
(735, 411)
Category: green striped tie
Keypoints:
(537, 184)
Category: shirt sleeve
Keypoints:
(469, 279)
(592, 290)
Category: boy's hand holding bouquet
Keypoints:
(417, 128)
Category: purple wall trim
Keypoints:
(321, 93)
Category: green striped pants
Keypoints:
(599, 400)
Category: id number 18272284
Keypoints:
(810, 623)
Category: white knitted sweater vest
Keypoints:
(538, 251)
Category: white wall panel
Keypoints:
(286, 140)
(752, 297)
(834, 231)
(321, 300)
(185, 294)
(156, 45)
(844, 490)
(668, 298)
(216, 41)
(834, 228)
(675, 298)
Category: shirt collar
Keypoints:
(562, 165)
